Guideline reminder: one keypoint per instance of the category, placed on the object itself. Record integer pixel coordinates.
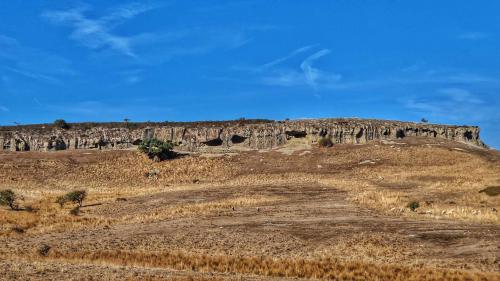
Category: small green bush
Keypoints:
(414, 205)
(76, 197)
(61, 123)
(156, 149)
(325, 142)
(8, 198)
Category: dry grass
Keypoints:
(434, 177)
(198, 209)
(108, 170)
(49, 216)
(46, 217)
(184, 191)
(330, 269)
(32, 269)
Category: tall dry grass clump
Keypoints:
(325, 269)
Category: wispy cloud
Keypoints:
(460, 95)
(305, 75)
(454, 104)
(32, 63)
(34, 75)
(99, 32)
(288, 56)
(312, 74)
(473, 35)
(4, 108)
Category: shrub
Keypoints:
(156, 149)
(43, 250)
(413, 205)
(61, 123)
(8, 198)
(325, 142)
(423, 120)
(76, 197)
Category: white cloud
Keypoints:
(4, 108)
(304, 75)
(96, 33)
(289, 56)
(312, 74)
(284, 79)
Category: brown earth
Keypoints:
(304, 213)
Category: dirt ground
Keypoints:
(339, 213)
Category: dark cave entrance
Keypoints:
(214, 142)
(296, 134)
(235, 139)
(400, 134)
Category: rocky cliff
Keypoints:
(256, 134)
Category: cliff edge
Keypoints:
(241, 134)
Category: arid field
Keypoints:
(411, 209)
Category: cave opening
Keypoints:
(360, 133)
(296, 134)
(400, 134)
(468, 135)
(214, 142)
(235, 139)
(60, 144)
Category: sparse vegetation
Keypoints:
(43, 250)
(491, 190)
(205, 214)
(61, 124)
(76, 197)
(325, 142)
(413, 205)
(157, 149)
(8, 198)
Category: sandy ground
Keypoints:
(347, 203)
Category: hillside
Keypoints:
(294, 211)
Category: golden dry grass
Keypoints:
(198, 209)
(325, 269)
(447, 184)
(49, 216)
(444, 181)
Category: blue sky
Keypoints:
(212, 60)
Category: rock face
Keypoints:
(229, 135)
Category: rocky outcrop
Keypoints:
(225, 135)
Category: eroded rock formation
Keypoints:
(224, 135)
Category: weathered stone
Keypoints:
(229, 134)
